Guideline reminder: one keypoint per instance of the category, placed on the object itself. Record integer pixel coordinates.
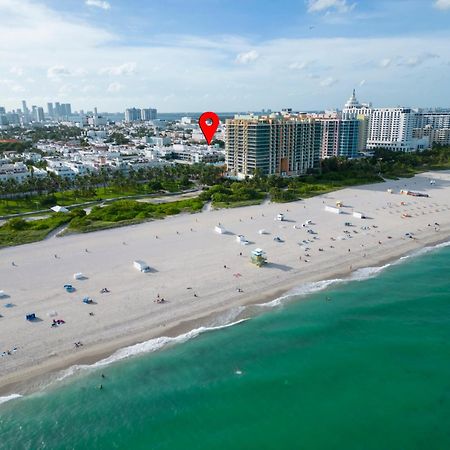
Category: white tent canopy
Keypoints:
(58, 208)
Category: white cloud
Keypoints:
(58, 72)
(12, 85)
(87, 88)
(341, 6)
(66, 89)
(98, 4)
(414, 61)
(128, 68)
(385, 62)
(298, 65)
(114, 87)
(329, 81)
(15, 70)
(442, 4)
(247, 57)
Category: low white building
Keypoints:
(17, 171)
(60, 168)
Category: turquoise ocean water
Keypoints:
(368, 368)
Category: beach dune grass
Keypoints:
(128, 212)
(20, 231)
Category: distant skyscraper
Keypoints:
(24, 107)
(148, 114)
(66, 109)
(57, 110)
(40, 114)
(2, 110)
(50, 110)
(132, 115)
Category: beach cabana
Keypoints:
(280, 217)
(78, 276)
(2, 294)
(332, 209)
(241, 239)
(60, 209)
(219, 229)
(142, 266)
(262, 231)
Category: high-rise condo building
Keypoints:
(340, 137)
(50, 110)
(275, 145)
(435, 119)
(148, 114)
(132, 115)
(57, 110)
(24, 107)
(39, 114)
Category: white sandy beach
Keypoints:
(195, 259)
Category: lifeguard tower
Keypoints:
(258, 257)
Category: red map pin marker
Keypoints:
(209, 122)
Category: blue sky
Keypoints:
(224, 55)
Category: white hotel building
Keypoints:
(389, 128)
(392, 128)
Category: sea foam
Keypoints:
(7, 398)
(149, 346)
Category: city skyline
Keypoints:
(185, 57)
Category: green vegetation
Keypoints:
(41, 193)
(126, 212)
(233, 194)
(118, 138)
(56, 133)
(17, 147)
(19, 231)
